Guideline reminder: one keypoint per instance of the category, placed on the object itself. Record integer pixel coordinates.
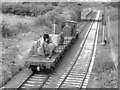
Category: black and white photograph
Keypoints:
(59, 44)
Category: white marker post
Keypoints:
(54, 27)
(103, 27)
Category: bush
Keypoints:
(14, 69)
(6, 31)
(69, 14)
(48, 19)
(54, 3)
(11, 59)
(75, 9)
(59, 9)
(26, 9)
(7, 43)
(54, 17)
(9, 31)
(114, 4)
(22, 27)
(12, 63)
(6, 74)
(41, 21)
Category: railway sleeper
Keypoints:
(68, 85)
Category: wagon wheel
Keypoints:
(77, 35)
(33, 68)
(51, 68)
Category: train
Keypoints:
(85, 13)
(62, 40)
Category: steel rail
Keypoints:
(76, 58)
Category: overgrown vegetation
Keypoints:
(113, 4)
(11, 60)
(9, 31)
(26, 9)
(106, 74)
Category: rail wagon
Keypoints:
(85, 13)
(67, 36)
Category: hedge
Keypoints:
(25, 9)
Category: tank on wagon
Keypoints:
(60, 41)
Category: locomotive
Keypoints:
(62, 40)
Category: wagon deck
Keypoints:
(45, 61)
(38, 59)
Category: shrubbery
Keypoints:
(42, 21)
(59, 14)
(71, 11)
(25, 9)
(12, 31)
(36, 9)
(73, 7)
(6, 32)
(49, 18)
(59, 9)
(114, 4)
(11, 63)
(54, 17)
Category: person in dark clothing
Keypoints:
(46, 38)
(48, 46)
(105, 41)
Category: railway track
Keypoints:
(35, 80)
(91, 16)
(80, 68)
(38, 80)
(76, 74)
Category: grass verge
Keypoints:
(104, 74)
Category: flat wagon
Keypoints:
(68, 36)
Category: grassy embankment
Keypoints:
(104, 73)
(113, 30)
